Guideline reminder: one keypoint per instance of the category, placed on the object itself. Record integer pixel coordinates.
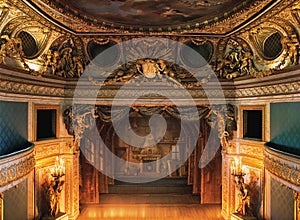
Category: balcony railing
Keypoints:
(14, 167)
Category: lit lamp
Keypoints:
(244, 208)
(236, 168)
(59, 168)
(55, 186)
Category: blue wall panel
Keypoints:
(13, 126)
(285, 124)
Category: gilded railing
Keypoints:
(14, 167)
(284, 165)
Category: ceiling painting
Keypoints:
(152, 12)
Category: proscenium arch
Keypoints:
(148, 52)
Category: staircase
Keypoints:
(164, 191)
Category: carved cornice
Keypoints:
(16, 82)
(19, 82)
(283, 166)
(14, 168)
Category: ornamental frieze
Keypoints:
(51, 90)
(280, 169)
(15, 171)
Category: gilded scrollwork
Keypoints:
(65, 61)
(282, 170)
(292, 46)
(17, 170)
(150, 70)
(234, 62)
(10, 47)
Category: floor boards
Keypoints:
(165, 199)
(150, 212)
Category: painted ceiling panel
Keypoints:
(152, 12)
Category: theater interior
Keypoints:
(139, 109)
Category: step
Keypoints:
(148, 199)
(160, 182)
(140, 189)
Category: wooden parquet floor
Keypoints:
(165, 199)
(151, 212)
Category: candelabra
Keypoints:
(59, 169)
(237, 170)
(55, 186)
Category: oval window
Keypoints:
(273, 46)
(29, 44)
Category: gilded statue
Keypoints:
(234, 63)
(292, 46)
(65, 62)
(149, 68)
(53, 190)
(294, 50)
(12, 47)
(244, 203)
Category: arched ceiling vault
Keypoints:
(238, 39)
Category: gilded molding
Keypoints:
(252, 151)
(282, 168)
(15, 167)
(217, 25)
(244, 60)
(60, 88)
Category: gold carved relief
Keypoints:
(282, 170)
(15, 171)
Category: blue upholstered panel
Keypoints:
(13, 126)
(285, 124)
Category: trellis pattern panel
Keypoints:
(285, 125)
(282, 202)
(13, 126)
(15, 202)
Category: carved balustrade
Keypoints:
(15, 167)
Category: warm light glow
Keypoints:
(59, 168)
(34, 66)
(236, 167)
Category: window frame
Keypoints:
(242, 123)
(46, 107)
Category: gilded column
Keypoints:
(1, 205)
(297, 205)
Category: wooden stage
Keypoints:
(164, 199)
(151, 212)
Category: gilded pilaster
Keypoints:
(1, 205)
(297, 205)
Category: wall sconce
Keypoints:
(59, 169)
(236, 168)
(244, 207)
(54, 187)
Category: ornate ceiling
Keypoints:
(157, 16)
(151, 12)
(236, 38)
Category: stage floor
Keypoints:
(150, 212)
